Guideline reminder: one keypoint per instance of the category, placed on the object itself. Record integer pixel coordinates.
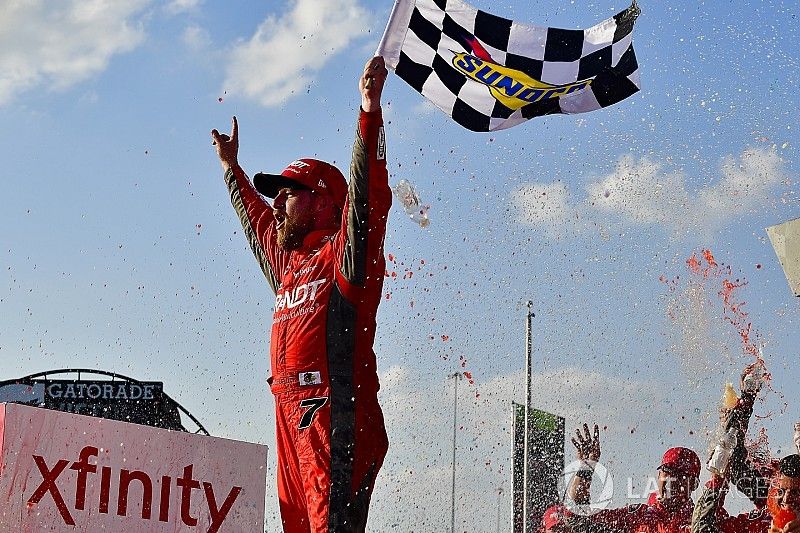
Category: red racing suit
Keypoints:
(331, 438)
(651, 517)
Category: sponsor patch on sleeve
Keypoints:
(381, 144)
(310, 378)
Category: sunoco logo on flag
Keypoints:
(513, 88)
(491, 73)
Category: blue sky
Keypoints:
(120, 249)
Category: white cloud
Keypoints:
(745, 185)
(642, 192)
(59, 44)
(196, 38)
(90, 98)
(281, 58)
(546, 205)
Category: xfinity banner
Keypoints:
(62, 471)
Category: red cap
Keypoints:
(681, 460)
(553, 516)
(313, 174)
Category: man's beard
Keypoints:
(291, 235)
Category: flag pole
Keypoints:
(456, 376)
(526, 511)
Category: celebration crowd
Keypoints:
(772, 485)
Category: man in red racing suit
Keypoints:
(320, 246)
(667, 511)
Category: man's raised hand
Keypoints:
(227, 146)
(587, 444)
(371, 83)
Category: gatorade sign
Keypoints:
(61, 471)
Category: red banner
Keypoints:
(61, 471)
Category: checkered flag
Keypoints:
(491, 73)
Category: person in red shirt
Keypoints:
(667, 511)
(320, 246)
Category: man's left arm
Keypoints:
(369, 197)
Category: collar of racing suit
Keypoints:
(315, 239)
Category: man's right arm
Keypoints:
(258, 223)
(255, 214)
(587, 449)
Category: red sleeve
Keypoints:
(258, 223)
(366, 209)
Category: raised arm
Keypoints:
(369, 197)
(587, 447)
(743, 473)
(255, 214)
(706, 517)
